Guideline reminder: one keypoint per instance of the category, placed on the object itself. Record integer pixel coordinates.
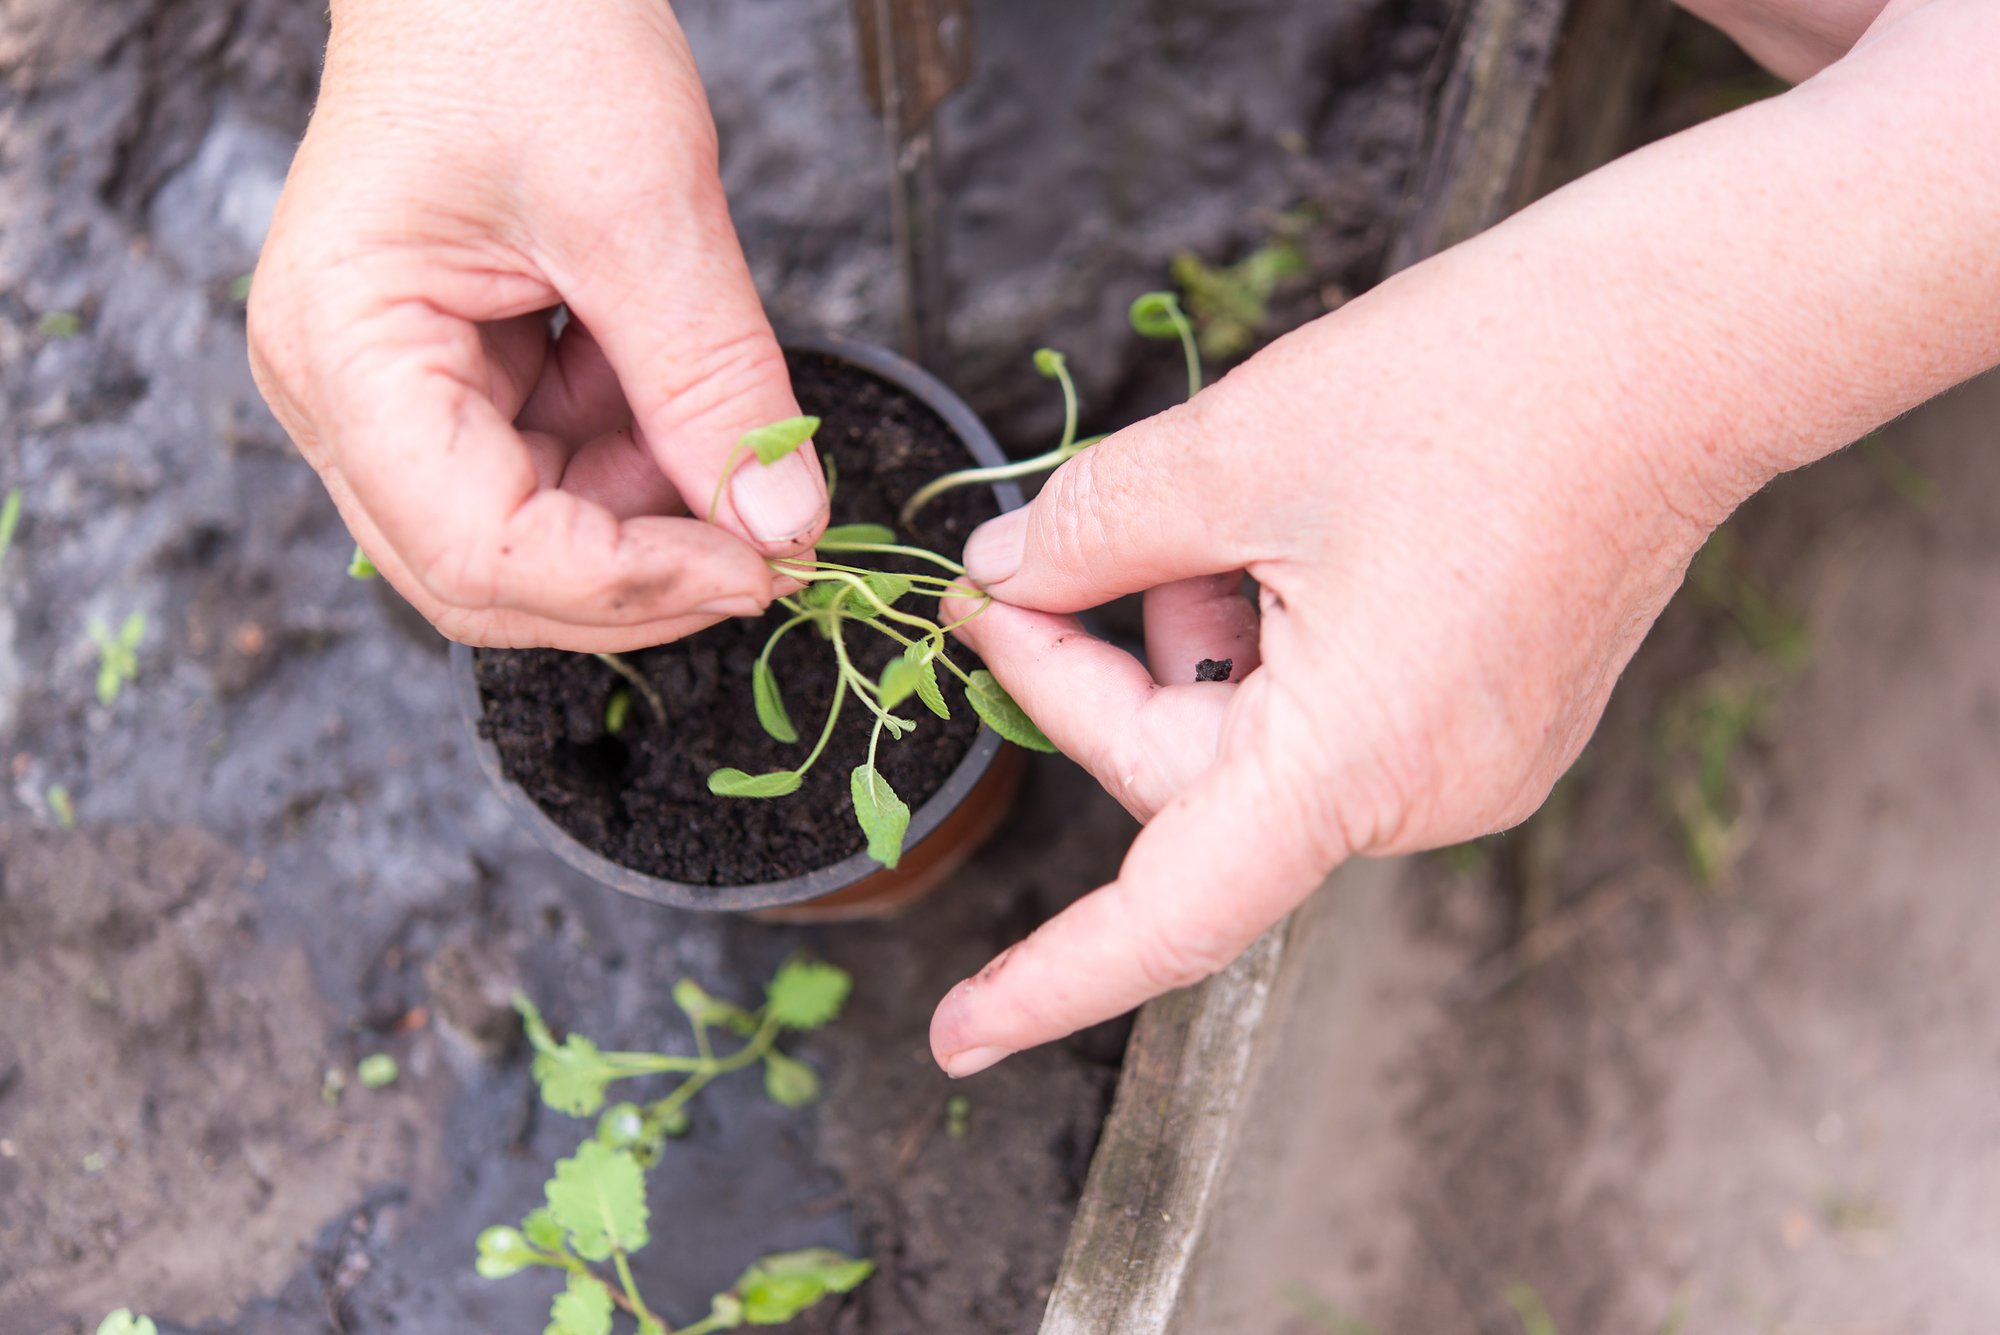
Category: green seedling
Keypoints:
(10, 519)
(122, 1322)
(958, 1117)
(639, 684)
(1321, 1312)
(596, 1209)
(1231, 305)
(360, 567)
(616, 710)
(59, 324)
(770, 444)
(239, 290)
(378, 1071)
(1153, 315)
(117, 655)
(62, 807)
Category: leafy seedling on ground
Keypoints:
(378, 1071)
(1231, 305)
(59, 324)
(117, 655)
(360, 567)
(596, 1210)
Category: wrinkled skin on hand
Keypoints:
(1466, 496)
(468, 168)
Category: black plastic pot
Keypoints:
(943, 831)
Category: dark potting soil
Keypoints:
(641, 797)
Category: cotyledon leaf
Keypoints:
(772, 443)
(845, 535)
(770, 705)
(735, 783)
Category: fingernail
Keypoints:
(743, 605)
(972, 1061)
(782, 502)
(995, 550)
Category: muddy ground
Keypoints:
(284, 858)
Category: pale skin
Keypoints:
(1466, 495)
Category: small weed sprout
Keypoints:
(10, 519)
(117, 655)
(122, 1322)
(596, 1210)
(360, 567)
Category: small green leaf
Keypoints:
(847, 535)
(772, 443)
(10, 519)
(886, 586)
(1153, 313)
(503, 1252)
(63, 807)
(359, 566)
(1049, 362)
(927, 682)
(60, 324)
(957, 1116)
(616, 710)
(240, 289)
(573, 1076)
(584, 1308)
(132, 632)
(789, 1081)
(735, 783)
(777, 1288)
(542, 1230)
(122, 1322)
(377, 1071)
(725, 1311)
(770, 705)
(806, 994)
(884, 817)
(599, 1198)
(699, 1006)
(823, 593)
(1005, 717)
(900, 681)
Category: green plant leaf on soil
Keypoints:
(359, 566)
(123, 1322)
(789, 1081)
(927, 682)
(735, 783)
(887, 586)
(59, 324)
(541, 1229)
(1005, 717)
(572, 1076)
(10, 519)
(239, 290)
(377, 1071)
(873, 535)
(63, 807)
(806, 994)
(777, 1288)
(1527, 1305)
(773, 442)
(118, 659)
(1049, 362)
(1152, 316)
(884, 817)
(503, 1251)
(900, 680)
(700, 1007)
(599, 1198)
(584, 1308)
(770, 705)
(616, 710)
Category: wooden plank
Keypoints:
(1478, 133)
(1159, 1162)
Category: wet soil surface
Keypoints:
(641, 797)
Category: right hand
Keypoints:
(467, 169)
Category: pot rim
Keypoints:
(905, 375)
